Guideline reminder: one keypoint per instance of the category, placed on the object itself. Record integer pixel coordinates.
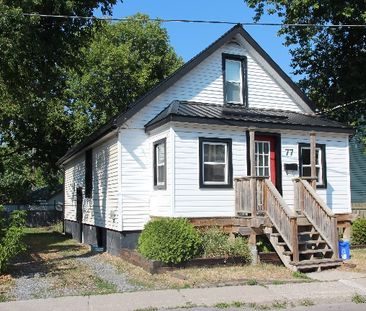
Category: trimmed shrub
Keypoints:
(11, 234)
(359, 231)
(170, 240)
(216, 243)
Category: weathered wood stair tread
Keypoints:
(308, 242)
(316, 264)
(309, 251)
(309, 233)
(275, 234)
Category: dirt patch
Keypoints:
(202, 277)
(357, 263)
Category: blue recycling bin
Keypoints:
(344, 250)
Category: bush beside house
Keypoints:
(11, 234)
(359, 232)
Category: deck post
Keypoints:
(253, 181)
(294, 240)
(313, 158)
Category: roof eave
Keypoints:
(272, 125)
(101, 132)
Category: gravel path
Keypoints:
(108, 273)
(30, 286)
(32, 282)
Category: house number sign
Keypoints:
(289, 152)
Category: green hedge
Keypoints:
(359, 231)
(170, 240)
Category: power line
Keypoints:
(162, 20)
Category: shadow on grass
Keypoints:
(47, 252)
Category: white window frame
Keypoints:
(317, 165)
(225, 182)
(321, 164)
(228, 60)
(160, 185)
(256, 156)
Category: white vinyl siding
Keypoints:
(139, 199)
(337, 194)
(102, 209)
(190, 199)
(74, 178)
(205, 84)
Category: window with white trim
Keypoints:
(262, 158)
(234, 79)
(160, 164)
(215, 163)
(320, 164)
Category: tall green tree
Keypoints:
(61, 79)
(330, 61)
(35, 53)
(123, 61)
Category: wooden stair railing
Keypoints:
(257, 196)
(282, 217)
(249, 196)
(317, 212)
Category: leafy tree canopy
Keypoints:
(123, 61)
(331, 61)
(35, 53)
(62, 78)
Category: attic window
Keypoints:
(235, 79)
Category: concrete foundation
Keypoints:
(112, 241)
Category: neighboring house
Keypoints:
(230, 112)
(358, 177)
(44, 198)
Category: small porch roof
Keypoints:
(205, 113)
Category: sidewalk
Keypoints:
(335, 286)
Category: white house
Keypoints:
(177, 151)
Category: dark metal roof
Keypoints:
(195, 112)
(169, 81)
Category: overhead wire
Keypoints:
(195, 21)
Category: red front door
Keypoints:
(265, 156)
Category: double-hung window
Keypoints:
(235, 79)
(160, 164)
(320, 163)
(215, 163)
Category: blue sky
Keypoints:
(190, 39)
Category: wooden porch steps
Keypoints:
(304, 236)
(319, 264)
(314, 252)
